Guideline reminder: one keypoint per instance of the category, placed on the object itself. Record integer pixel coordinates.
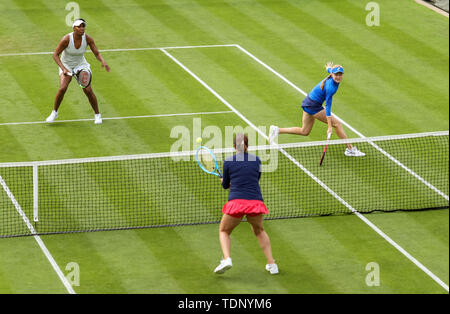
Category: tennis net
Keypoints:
(402, 172)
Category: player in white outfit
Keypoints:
(71, 61)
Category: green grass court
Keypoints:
(257, 56)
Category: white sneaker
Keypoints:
(224, 265)
(273, 133)
(354, 152)
(52, 116)
(272, 268)
(98, 119)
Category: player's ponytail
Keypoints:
(240, 142)
(323, 82)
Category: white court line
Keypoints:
(218, 151)
(120, 118)
(284, 152)
(359, 215)
(116, 50)
(38, 239)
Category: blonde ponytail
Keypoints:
(323, 82)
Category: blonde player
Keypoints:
(313, 109)
(72, 47)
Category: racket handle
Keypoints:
(325, 149)
(321, 159)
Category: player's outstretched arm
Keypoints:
(94, 49)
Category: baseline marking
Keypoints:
(115, 50)
(359, 215)
(37, 238)
(120, 118)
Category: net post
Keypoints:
(35, 193)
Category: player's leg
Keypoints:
(92, 98)
(64, 81)
(94, 103)
(337, 125)
(305, 129)
(264, 241)
(227, 224)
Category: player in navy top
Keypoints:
(313, 109)
(245, 171)
(241, 174)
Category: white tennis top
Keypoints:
(73, 57)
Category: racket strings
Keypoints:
(207, 160)
(84, 77)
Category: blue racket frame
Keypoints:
(216, 170)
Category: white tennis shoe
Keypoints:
(272, 268)
(224, 265)
(52, 117)
(98, 119)
(354, 152)
(273, 133)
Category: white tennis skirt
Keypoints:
(77, 68)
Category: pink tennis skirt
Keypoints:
(239, 208)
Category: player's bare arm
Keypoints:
(94, 49)
(59, 49)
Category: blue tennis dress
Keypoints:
(312, 104)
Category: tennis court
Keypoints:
(208, 68)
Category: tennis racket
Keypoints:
(83, 77)
(325, 149)
(207, 161)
